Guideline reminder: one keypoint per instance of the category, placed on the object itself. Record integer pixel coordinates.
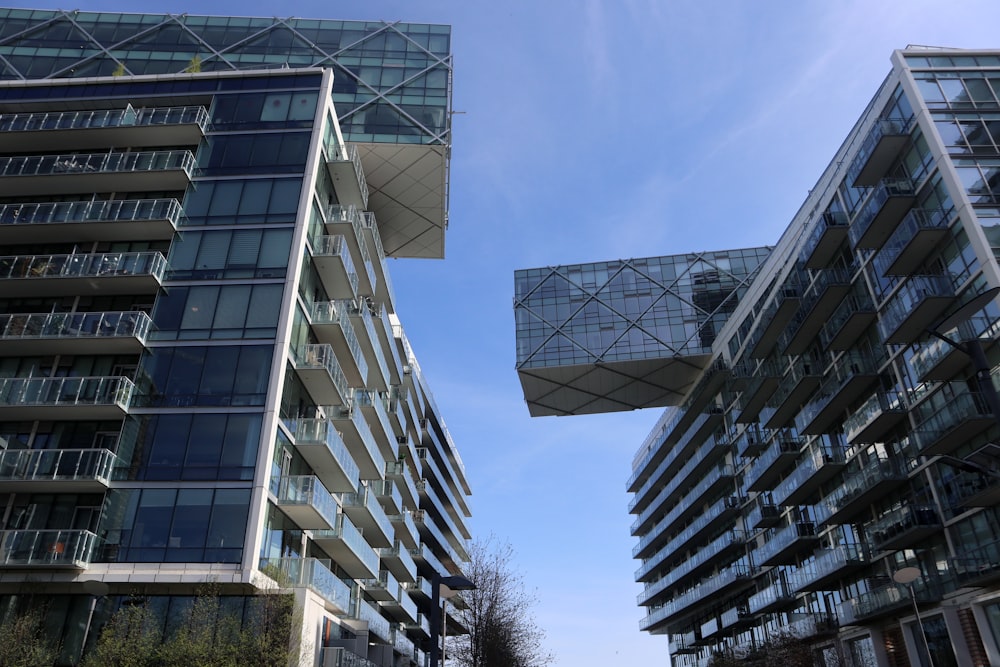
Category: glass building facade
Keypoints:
(608, 336)
(202, 375)
(843, 427)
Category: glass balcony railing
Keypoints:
(873, 223)
(783, 448)
(350, 215)
(308, 491)
(978, 564)
(322, 356)
(913, 239)
(47, 548)
(886, 600)
(91, 211)
(903, 525)
(103, 118)
(919, 300)
(878, 405)
(826, 236)
(858, 487)
(323, 447)
(705, 555)
(785, 539)
(377, 624)
(97, 163)
(700, 593)
(338, 313)
(367, 502)
(371, 226)
(326, 247)
(774, 594)
(827, 564)
(337, 656)
(56, 465)
(348, 154)
(345, 531)
(882, 143)
(948, 417)
(75, 326)
(718, 511)
(844, 325)
(312, 573)
(83, 265)
(66, 391)
(357, 431)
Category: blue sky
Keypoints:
(600, 129)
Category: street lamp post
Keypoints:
(453, 584)
(906, 576)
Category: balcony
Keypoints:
(56, 470)
(320, 373)
(348, 222)
(764, 515)
(56, 549)
(725, 509)
(332, 258)
(323, 448)
(345, 544)
(950, 417)
(348, 176)
(979, 566)
(878, 415)
(400, 474)
(878, 217)
(103, 274)
(332, 324)
(850, 376)
(823, 297)
(829, 567)
(397, 559)
(848, 322)
(879, 150)
(751, 441)
(886, 600)
(775, 460)
(904, 527)
(421, 628)
(919, 303)
(773, 598)
(312, 573)
(783, 546)
(378, 373)
(920, 232)
(383, 588)
(387, 492)
(143, 171)
(670, 473)
(819, 464)
(384, 293)
(90, 220)
(658, 578)
(406, 528)
(88, 130)
(367, 514)
(360, 441)
(364, 616)
(57, 398)
(684, 511)
(383, 328)
(32, 334)
(937, 361)
(860, 489)
(801, 380)
(682, 485)
(305, 500)
(736, 575)
(759, 388)
(825, 239)
(773, 320)
(373, 405)
(810, 625)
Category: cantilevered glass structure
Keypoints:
(626, 334)
(392, 87)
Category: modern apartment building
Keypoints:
(826, 472)
(202, 375)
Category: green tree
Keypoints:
(24, 643)
(194, 65)
(130, 639)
